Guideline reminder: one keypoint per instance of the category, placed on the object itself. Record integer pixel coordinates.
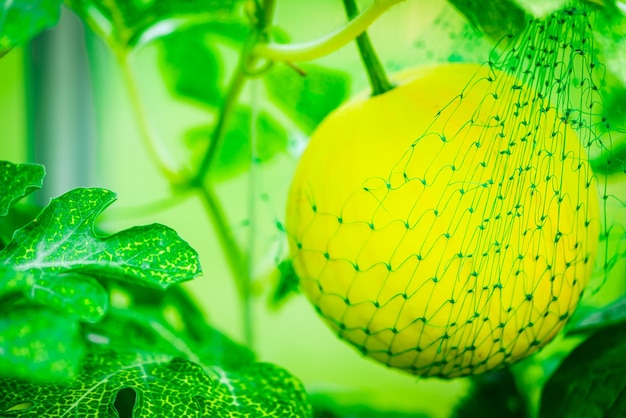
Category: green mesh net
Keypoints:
(468, 246)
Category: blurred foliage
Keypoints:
(494, 394)
(590, 382)
(307, 94)
(21, 20)
(129, 23)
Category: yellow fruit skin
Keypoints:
(451, 243)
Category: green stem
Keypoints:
(217, 137)
(375, 71)
(235, 259)
(321, 47)
(157, 151)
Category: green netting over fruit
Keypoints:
(451, 225)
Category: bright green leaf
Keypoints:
(161, 385)
(591, 381)
(21, 20)
(38, 344)
(307, 98)
(17, 181)
(192, 75)
(234, 156)
(61, 240)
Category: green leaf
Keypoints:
(147, 329)
(160, 385)
(76, 296)
(542, 8)
(608, 316)
(493, 394)
(234, 157)
(61, 240)
(17, 181)
(129, 23)
(191, 67)
(307, 98)
(21, 20)
(495, 18)
(38, 344)
(591, 381)
(287, 284)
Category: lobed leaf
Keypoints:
(162, 386)
(38, 344)
(591, 381)
(17, 181)
(61, 240)
(307, 98)
(21, 20)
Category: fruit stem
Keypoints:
(318, 48)
(375, 70)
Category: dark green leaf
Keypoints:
(21, 20)
(17, 181)
(166, 322)
(326, 406)
(234, 157)
(493, 394)
(287, 284)
(38, 344)
(608, 316)
(61, 240)
(163, 386)
(611, 161)
(307, 98)
(16, 218)
(591, 381)
(129, 23)
(495, 18)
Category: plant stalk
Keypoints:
(321, 47)
(375, 70)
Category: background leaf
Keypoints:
(198, 76)
(166, 322)
(591, 381)
(38, 344)
(234, 156)
(493, 394)
(608, 316)
(61, 240)
(307, 98)
(21, 20)
(17, 181)
(130, 21)
(495, 18)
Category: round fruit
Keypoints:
(448, 226)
